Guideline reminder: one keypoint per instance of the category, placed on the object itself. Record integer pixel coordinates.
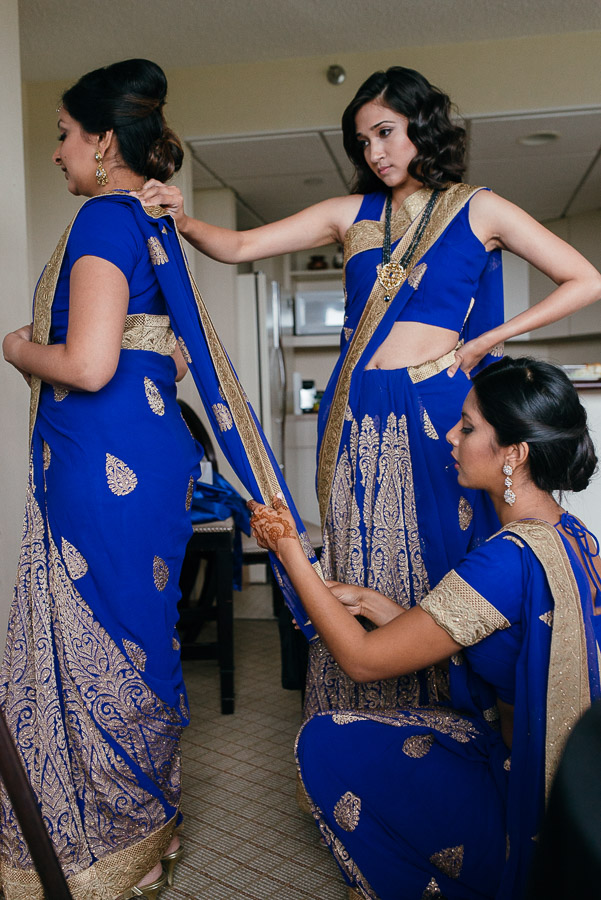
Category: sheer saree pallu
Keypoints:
(394, 517)
(430, 803)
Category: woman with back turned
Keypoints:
(92, 685)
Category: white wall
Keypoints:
(14, 308)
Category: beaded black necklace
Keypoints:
(392, 274)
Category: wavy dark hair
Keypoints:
(534, 401)
(128, 97)
(440, 143)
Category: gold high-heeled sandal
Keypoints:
(149, 891)
(169, 862)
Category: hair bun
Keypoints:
(128, 97)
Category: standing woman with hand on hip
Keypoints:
(424, 308)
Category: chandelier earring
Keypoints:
(509, 495)
(101, 176)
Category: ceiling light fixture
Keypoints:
(335, 74)
(538, 138)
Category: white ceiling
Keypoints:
(63, 38)
(275, 175)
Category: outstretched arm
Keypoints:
(324, 223)
(500, 224)
(406, 644)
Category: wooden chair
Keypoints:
(212, 543)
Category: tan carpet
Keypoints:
(245, 837)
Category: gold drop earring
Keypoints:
(101, 176)
(509, 495)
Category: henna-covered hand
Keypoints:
(270, 525)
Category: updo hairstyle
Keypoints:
(533, 401)
(439, 142)
(128, 97)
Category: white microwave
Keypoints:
(318, 312)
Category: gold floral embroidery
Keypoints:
(428, 426)
(63, 741)
(348, 811)
(348, 333)
(136, 654)
(163, 230)
(449, 861)
(143, 331)
(345, 718)
(547, 618)
(432, 891)
(74, 561)
(155, 401)
(416, 275)
(465, 513)
(223, 416)
(47, 456)
(418, 745)
(348, 414)
(457, 659)
(184, 350)
(190, 493)
(464, 613)
(514, 539)
(160, 573)
(120, 478)
(60, 393)
(157, 252)
(183, 706)
(176, 644)
(491, 714)
(507, 764)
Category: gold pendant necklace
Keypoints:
(392, 274)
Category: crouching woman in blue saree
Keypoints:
(446, 802)
(424, 301)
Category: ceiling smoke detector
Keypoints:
(336, 74)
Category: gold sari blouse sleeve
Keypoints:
(465, 615)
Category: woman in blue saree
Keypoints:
(446, 802)
(424, 301)
(91, 684)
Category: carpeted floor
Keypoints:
(245, 837)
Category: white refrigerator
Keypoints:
(264, 360)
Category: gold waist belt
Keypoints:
(432, 367)
(146, 332)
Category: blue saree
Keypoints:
(430, 802)
(91, 684)
(394, 517)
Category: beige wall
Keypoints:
(14, 309)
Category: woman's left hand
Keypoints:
(271, 525)
(470, 354)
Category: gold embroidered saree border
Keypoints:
(42, 314)
(462, 611)
(449, 204)
(568, 687)
(106, 879)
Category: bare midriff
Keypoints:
(411, 344)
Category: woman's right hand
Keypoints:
(155, 193)
(350, 595)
